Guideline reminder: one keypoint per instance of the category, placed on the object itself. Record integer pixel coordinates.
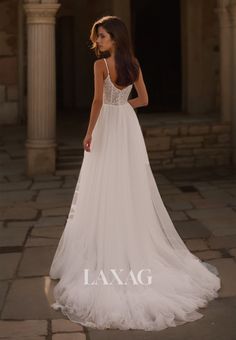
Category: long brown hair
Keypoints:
(126, 64)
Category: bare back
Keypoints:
(138, 84)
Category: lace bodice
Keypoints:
(111, 93)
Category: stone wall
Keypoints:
(189, 145)
(8, 62)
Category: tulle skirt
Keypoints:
(120, 262)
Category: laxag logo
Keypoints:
(102, 279)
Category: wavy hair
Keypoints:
(126, 64)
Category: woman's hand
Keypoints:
(87, 142)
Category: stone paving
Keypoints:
(33, 212)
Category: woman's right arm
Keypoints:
(96, 104)
(98, 95)
(142, 98)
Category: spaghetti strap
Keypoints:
(106, 65)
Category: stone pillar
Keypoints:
(225, 60)
(232, 14)
(21, 75)
(41, 95)
(192, 56)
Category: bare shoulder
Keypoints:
(98, 64)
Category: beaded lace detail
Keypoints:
(111, 93)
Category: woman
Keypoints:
(120, 261)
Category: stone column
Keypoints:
(232, 14)
(41, 93)
(192, 56)
(225, 60)
(21, 80)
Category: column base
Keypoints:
(40, 161)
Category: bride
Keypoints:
(120, 261)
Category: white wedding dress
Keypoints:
(118, 221)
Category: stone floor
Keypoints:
(33, 211)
